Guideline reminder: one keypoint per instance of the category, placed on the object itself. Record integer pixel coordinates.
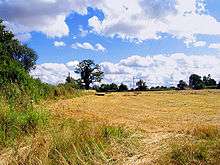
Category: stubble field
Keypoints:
(158, 118)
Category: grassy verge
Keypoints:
(200, 146)
(73, 142)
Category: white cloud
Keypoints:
(46, 16)
(99, 47)
(161, 69)
(214, 46)
(23, 37)
(147, 19)
(88, 46)
(55, 73)
(199, 44)
(155, 70)
(135, 20)
(85, 45)
(59, 43)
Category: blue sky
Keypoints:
(117, 48)
(127, 38)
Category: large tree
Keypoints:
(195, 82)
(89, 72)
(13, 49)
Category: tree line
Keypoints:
(91, 72)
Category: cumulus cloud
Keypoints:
(55, 73)
(147, 19)
(215, 46)
(59, 44)
(161, 69)
(88, 46)
(46, 16)
(155, 70)
(99, 47)
(135, 20)
(199, 44)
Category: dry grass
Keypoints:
(200, 146)
(149, 111)
(157, 116)
(72, 142)
(159, 119)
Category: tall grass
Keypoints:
(200, 147)
(18, 117)
(73, 142)
(32, 136)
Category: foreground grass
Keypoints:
(73, 142)
(31, 135)
(88, 130)
(199, 146)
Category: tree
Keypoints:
(195, 82)
(108, 87)
(182, 85)
(141, 85)
(89, 72)
(208, 81)
(122, 88)
(75, 83)
(12, 48)
(218, 86)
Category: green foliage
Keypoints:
(218, 86)
(162, 88)
(141, 86)
(14, 50)
(75, 83)
(89, 72)
(195, 82)
(108, 87)
(15, 123)
(208, 81)
(122, 88)
(182, 85)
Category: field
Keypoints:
(156, 118)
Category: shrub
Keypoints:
(182, 85)
(122, 88)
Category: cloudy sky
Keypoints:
(160, 41)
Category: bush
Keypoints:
(182, 85)
(122, 88)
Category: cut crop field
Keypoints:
(157, 117)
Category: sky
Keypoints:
(159, 41)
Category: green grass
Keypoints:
(15, 124)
